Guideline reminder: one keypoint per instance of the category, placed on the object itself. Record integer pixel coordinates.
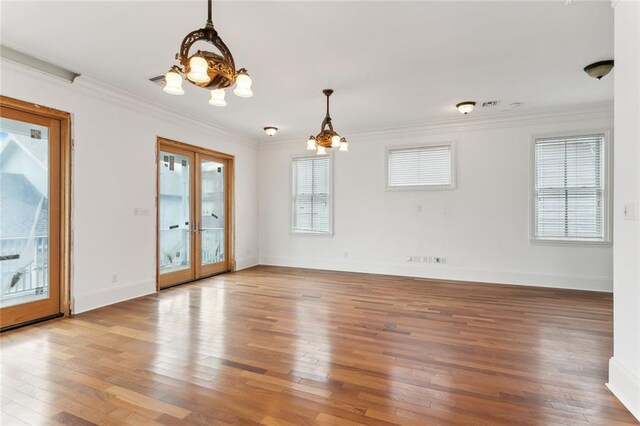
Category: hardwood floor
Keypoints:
(279, 346)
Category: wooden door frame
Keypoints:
(169, 144)
(64, 119)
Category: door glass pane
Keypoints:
(212, 212)
(174, 209)
(24, 212)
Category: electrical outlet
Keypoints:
(435, 259)
(630, 211)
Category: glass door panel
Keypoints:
(29, 217)
(212, 219)
(175, 224)
(193, 213)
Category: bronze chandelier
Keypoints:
(327, 138)
(207, 70)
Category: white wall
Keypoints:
(114, 172)
(482, 227)
(624, 367)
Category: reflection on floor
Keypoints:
(290, 346)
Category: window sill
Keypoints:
(592, 243)
(420, 188)
(313, 233)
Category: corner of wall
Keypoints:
(112, 294)
(625, 386)
(246, 263)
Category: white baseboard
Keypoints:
(245, 263)
(112, 294)
(446, 272)
(625, 385)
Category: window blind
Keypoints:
(421, 166)
(570, 188)
(311, 192)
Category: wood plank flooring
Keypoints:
(280, 346)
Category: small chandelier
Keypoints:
(207, 70)
(327, 138)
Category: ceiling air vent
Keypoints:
(158, 80)
(488, 104)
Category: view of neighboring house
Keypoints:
(23, 221)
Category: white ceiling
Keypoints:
(391, 63)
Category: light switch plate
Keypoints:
(141, 211)
(630, 211)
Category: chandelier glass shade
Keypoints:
(217, 98)
(327, 138)
(173, 82)
(214, 71)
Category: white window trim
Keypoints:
(388, 149)
(607, 225)
(291, 206)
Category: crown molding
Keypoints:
(121, 97)
(34, 72)
(442, 125)
(112, 93)
(465, 123)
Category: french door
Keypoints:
(32, 212)
(194, 199)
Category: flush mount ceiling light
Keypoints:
(208, 70)
(270, 130)
(599, 69)
(327, 138)
(466, 107)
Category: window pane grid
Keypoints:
(311, 211)
(569, 188)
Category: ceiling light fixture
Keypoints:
(466, 107)
(270, 130)
(599, 69)
(208, 70)
(327, 138)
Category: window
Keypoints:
(421, 167)
(570, 188)
(311, 195)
